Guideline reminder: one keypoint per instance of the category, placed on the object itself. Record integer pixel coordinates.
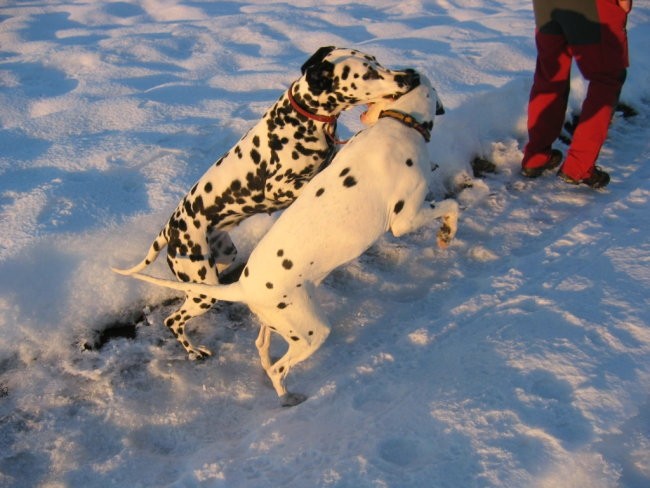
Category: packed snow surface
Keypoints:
(517, 357)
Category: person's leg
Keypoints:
(548, 98)
(603, 65)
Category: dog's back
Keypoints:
(344, 209)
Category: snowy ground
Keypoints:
(518, 357)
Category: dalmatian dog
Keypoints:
(266, 170)
(376, 183)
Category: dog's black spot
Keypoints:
(282, 305)
(208, 187)
(295, 338)
(320, 192)
(183, 277)
(349, 182)
(255, 156)
(202, 273)
(311, 332)
(280, 253)
(256, 141)
(372, 74)
(196, 253)
(269, 285)
(276, 144)
(409, 162)
(246, 272)
(399, 206)
(287, 264)
(344, 172)
(281, 370)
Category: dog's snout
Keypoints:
(409, 78)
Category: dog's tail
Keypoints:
(156, 246)
(228, 293)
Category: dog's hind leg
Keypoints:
(304, 327)
(263, 343)
(194, 306)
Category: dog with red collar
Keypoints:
(377, 182)
(265, 171)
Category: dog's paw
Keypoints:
(444, 236)
(292, 399)
(198, 353)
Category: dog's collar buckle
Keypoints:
(408, 121)
(328, 119)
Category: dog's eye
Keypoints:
(372, 74)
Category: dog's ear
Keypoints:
(440, 110)
(317, 57)
(320, 77)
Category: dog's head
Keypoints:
(338, 78)
(422, 103)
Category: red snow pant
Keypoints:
(600, 52)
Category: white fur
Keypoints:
(331, 223)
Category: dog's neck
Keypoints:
(310, 114)
(408, 121)
(321, 103)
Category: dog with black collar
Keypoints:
(376, 183)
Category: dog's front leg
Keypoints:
(409, 220)
(448, 228)
(447, 211)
